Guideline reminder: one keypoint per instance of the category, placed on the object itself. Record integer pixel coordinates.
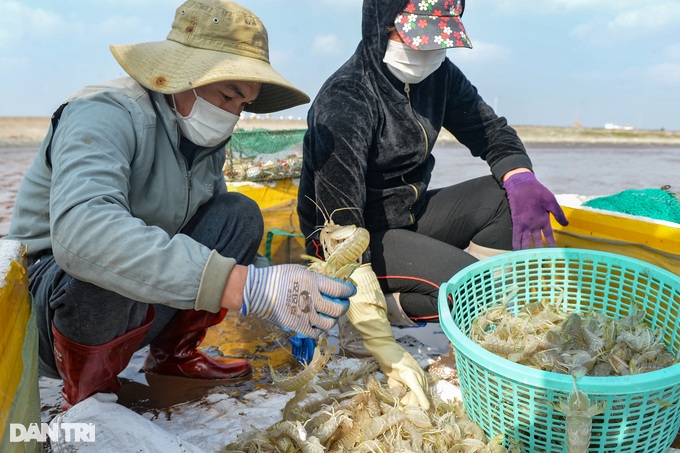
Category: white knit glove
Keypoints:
(368, 314)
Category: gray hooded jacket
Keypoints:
(110, 198)
(370, 137)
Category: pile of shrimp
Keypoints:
(356, 411)
(541, 336)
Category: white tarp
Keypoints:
(116, 429)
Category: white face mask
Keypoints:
(206, 125)
(409, 65)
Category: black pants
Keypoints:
(229, 223)
(414, 262)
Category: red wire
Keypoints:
(414, 318)
(319, 254)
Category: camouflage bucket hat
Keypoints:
(432, 24)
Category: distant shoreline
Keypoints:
(29, 131)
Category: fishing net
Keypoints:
(657, 204)
(264, 155)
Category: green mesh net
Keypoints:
(264, 155)
(660, 204)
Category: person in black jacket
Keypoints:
(371, 130)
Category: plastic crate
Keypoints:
(651, 240)
(643, 411)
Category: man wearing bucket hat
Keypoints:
(371, 131)
(132, 236)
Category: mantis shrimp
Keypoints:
(579, 416)
(342, 247)
(300, 380)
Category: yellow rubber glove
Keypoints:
(368, 314)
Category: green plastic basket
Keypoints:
(642, 411)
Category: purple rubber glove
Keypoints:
(531, 204)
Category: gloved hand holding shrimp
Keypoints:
(295, 299)
(343, 247)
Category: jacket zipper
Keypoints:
(190, 186)
(186, 209)
(407, 90)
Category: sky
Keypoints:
(537, 62)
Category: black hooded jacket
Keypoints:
(370, 137)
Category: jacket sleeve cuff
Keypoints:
(213, 280)
(510, 163)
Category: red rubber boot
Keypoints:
(175, 351)
(87, 370)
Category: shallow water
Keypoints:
(594, 170)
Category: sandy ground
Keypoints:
(29, 131)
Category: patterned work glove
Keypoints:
(531, 204)
(295, 299)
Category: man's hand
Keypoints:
(295, 299)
